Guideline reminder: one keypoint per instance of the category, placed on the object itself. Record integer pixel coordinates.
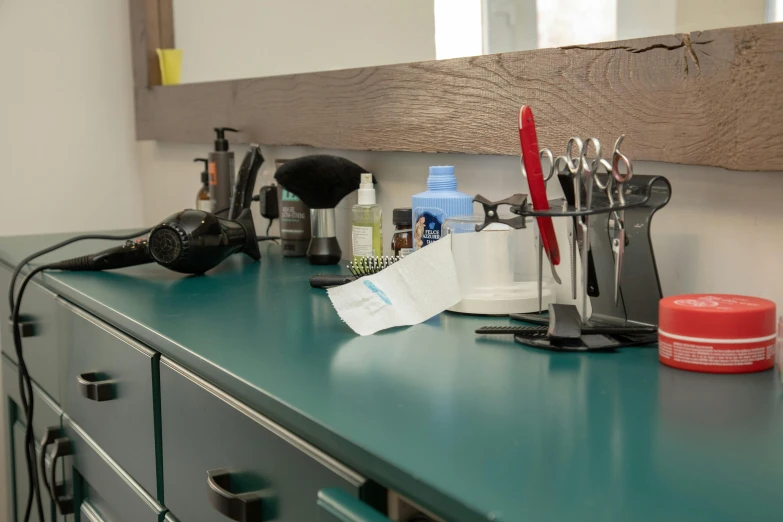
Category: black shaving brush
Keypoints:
(321, 181)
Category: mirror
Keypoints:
(236, 39)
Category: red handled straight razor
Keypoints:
(535, 181)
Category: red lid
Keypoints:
(717, 316)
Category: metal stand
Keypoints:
(633, 319)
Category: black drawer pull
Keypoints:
(51, 434)
(95, 388)
(27, 326)
(61, 448)
(253, 506)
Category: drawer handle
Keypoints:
(337, 505)
(61, 448)
(94, 388)
(27, 326)
(51, 434)
(253, 506)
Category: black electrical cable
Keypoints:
(269, 225)
(61, 244)
(26, 390)
(25, 382)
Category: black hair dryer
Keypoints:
(190, 241)
(194, 241)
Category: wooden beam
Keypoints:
(139, 32)
(166, 24)
(704, 98)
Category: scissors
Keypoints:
(582, 171)
(543, 154)
(614, 185)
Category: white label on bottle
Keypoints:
(204, 204)
(405, 251)
(362, 241)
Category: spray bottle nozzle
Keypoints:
(366, 190)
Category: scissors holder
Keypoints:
(633, 319)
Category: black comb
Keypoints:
(593, 330)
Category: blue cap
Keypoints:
(442, 169)
(442, 178)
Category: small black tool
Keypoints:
(330, 280)
(565, 323)
(562, 330)
(268, 202)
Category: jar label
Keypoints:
(426, 227)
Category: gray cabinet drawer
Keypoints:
(112, 493)
(41, 344)
(46, 412)
(108, 390)
(205, 430)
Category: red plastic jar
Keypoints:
(717, 333)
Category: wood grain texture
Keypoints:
(704, 98)
(138, 22)
(166, 24)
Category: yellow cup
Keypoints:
(170, 65)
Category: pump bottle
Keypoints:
(221, 171)
(202, 196)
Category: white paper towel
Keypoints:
(421, 285)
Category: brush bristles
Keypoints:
(371, 265)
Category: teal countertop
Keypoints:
(472, 428)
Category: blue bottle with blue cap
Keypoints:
(438, 203)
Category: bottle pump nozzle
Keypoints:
(221, 143)
(205, 173)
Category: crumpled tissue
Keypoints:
(421, 285)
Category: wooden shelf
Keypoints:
(704, 98)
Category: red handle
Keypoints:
(535, 181)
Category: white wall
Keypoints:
(700, 15)
(640, 18)
(248, 38)
(66, 117)
(66, 122)
(510, 25)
